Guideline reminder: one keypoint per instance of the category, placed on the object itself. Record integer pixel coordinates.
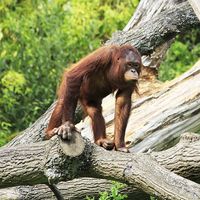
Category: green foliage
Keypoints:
(184, 52)
(113, 194)
(12, 90)
(38, 39)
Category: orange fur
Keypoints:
(89, 81)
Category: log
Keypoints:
(146, 10)
(75, 189)
(142, 171)
(43, 162)
(35, 132)
(177, 159)
(185, 153)
(165, 26)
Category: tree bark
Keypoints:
(48, 163)
(35, 132)
(146, 10)
(75, 189)
(142, 171)
(165, 26)
(43, 162)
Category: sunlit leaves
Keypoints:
(38, 39)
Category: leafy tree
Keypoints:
(184, 52)
(38, 39)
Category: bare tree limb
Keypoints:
(160, 29)
(47, 162)
(146, 10)
(75, 189)
(35, 132)
(182, 159)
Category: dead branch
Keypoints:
(46, 162)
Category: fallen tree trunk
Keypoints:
(35, 132)
(75, 189)
(182, 159)
(165, 26)
(146, 10)
(139, 170)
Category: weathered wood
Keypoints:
(47, 163)
(73, 147)
(165, 26)
(43, 162)
(75, 189)
(159, 119)
(35, 132)
(183, 159)
(142, 171)
(146, 10)
(196, 6)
